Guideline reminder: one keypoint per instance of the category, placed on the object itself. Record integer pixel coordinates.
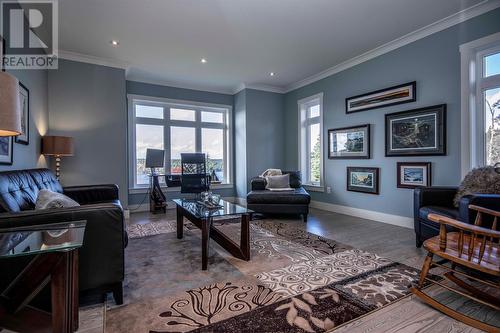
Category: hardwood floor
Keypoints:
(393, 242)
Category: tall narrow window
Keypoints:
(480, 102)
(311, 143)
(178, 128)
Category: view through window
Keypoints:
(179, 129)
(491, 96)
(310, 140)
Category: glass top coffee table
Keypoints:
(202, 216)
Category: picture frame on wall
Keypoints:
(418, 132)
(349, 142)
(6, 150)
(363, 179)
(24, 96)
(403, 93)
(414, 174)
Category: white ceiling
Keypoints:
(243, 40)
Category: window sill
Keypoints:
(141, 190)
(314, 188)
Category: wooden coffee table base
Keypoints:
(241, 251)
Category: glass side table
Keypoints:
(54, 248)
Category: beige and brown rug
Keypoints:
(295, 282)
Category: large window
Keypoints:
(178, 127)
(311, 142)
(481, 102)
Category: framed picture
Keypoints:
(403, 93)
(6, 150)
(24, 96)
(362, 179)
(414, 174)
(419, 132)
(349, 142)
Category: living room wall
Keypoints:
(88, 103)
(434, 63)
(28, 156)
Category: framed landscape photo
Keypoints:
(349, 142)
(403, 93)
(363, 179)
(24, 96)
(419, 132)
(6, 150)
(414, 174)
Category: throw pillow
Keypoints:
(480, 180)
(48, 200)
(278, 183)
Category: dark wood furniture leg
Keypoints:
(245, 236)
(180, 222)
(205, 241)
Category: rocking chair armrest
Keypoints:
(464, 226)
(485, 210)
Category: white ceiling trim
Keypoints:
(89, 59)
(428, 30)
(264, 87)
(181, 86)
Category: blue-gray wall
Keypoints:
(434, 62)
(146, 89)
(88, 102)
(28, 156)
(240, 143)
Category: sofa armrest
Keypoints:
(490, 201)
(92, 194)
(258, 184)
(434, 196)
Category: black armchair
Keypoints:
(101, 257)
(439, 200)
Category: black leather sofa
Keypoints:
(101, 257)
(439, 200)
(265, 201)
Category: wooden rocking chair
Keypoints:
(473, 247)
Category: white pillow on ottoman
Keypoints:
(278, 183)
(48, 200)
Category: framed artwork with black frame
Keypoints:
(24, 96)
(349, 142)
(418, 132)
(6, 150)
(403, 93)
(414, 174)
(363, 179)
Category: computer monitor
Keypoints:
(155, 158)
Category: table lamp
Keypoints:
(57, 146)
(10, 105)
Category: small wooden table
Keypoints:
(54, 248)
(202, 217)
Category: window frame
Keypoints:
(473, 86)
(167, 124)
(305, 123)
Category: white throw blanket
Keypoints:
(271, 172)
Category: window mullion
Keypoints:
(167, 140)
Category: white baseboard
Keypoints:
(401, 221)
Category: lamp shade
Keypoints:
(10, 105)
(57, 145)
(154, 158)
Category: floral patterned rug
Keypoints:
(295, 282)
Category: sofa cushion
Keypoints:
(281, 182)
(19, 188)
(445, 211)
(49, 200)
(298, 196)
(295, 178)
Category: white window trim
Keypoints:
(472, 85)
(301, 118)
(167, 102)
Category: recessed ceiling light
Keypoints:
(203, 60)
(271, 74)
(114, 43)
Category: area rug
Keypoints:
(295, 282)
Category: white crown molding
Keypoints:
(462, 16)
(181, 86)
(89, 59)
(263, 87)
